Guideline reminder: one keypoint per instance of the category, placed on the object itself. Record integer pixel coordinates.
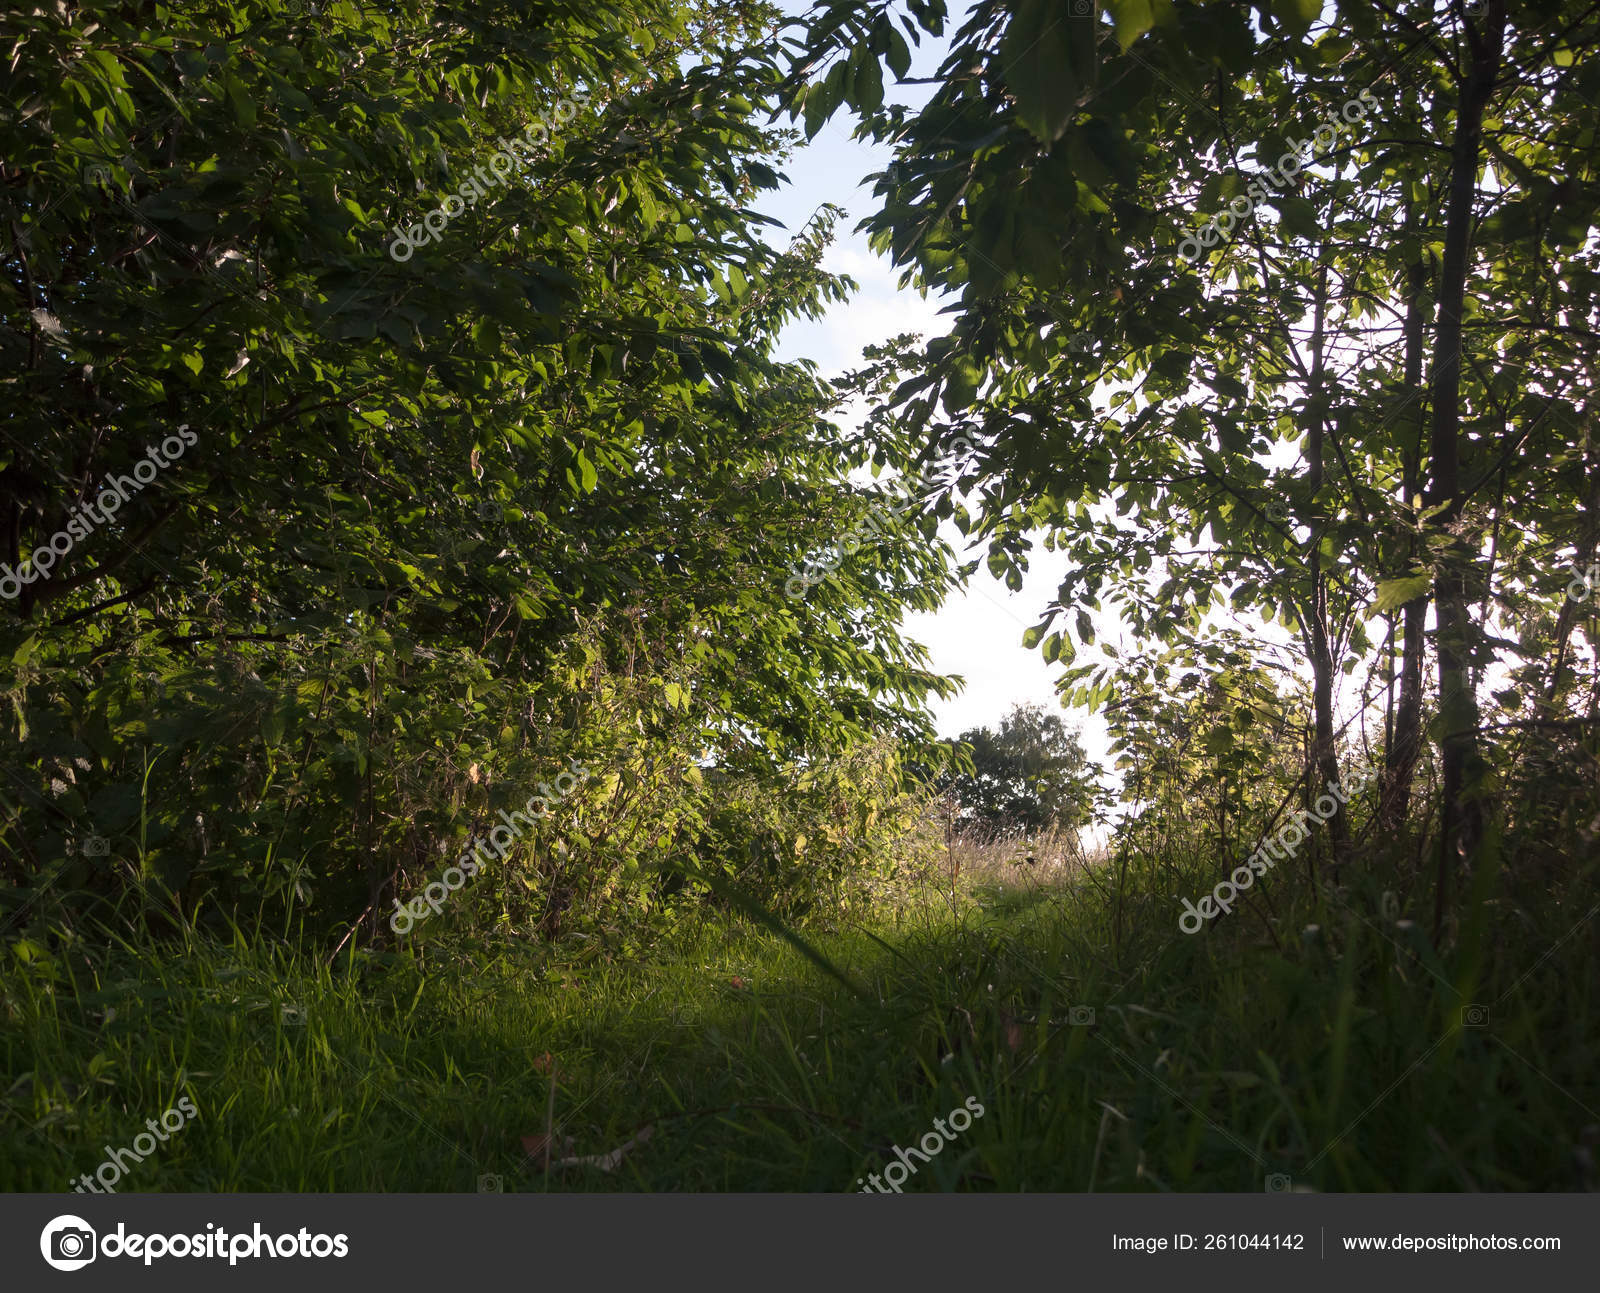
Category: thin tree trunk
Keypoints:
(1460, 813)
(1322, 752)
(1400, 756)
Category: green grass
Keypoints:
(1213, 1062)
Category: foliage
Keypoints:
(1373, 396)
(1208, 1063)
(447, 521)
(439, 526)
(1028, 776)
(828, 839)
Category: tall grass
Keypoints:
(1311, 1040)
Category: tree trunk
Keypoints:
(1322, 752)
(1400, 758)
(1461, 814)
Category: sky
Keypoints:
(978, 632)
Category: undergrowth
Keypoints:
(1307, 1041)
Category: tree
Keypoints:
(1029, 776)
(473, 486)
(1398, 291)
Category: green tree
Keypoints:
(528, 491)
(1365, 393)
(1029, 775)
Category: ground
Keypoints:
(1107, 1050)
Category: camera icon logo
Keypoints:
(1278, 1183)
(491, 1184)
(1583, 582)
(68, 1243)
(1078, 1016)
(95, 846)
(292, 1016)
(1474, 1016)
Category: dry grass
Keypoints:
(1018, 859)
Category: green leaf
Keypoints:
(1297, 15)
(272, 727)
(816, 111)
(1042, 57)
(1132, 18)
(961, 385)
(867, 92)
(1395, 593)
(588, 477)
(899, 53)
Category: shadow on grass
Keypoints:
(1225, 1061)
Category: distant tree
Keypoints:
(1031, 774)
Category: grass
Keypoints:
(1109, 1051)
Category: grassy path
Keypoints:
(1186, 1063)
